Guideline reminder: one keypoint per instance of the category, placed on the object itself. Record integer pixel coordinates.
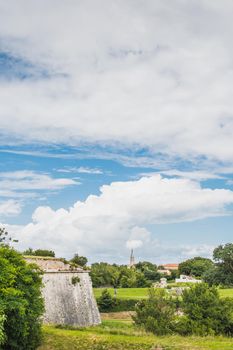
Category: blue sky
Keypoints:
(116, 127)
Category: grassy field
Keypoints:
(117, 332)
(141, 293)
(120, 334)
(125, 293)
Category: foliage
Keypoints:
(75, 280)
(157, 313)
(174, 274)
(2, 334)
(149, 270)
(222, 272)
(79, 260)
(5, 239)
(39, 252)
(197, 266)
(104, 275)
(20, 301)
(118, 305)
(106, 301)
(205, 312)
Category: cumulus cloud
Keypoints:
(133, 244)
(154, 74)
(102, 224)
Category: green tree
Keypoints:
(222, 272)
(149, 270)
(5, 239)
(106, 301)
(157, 313)
(21, 303)
(79, 260)
(39, 252)
(197, 266)
(205, 312)
(223, 256)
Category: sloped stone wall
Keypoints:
(68, 294)
(68, 303)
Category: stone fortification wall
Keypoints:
(50, 264)
(67, 293)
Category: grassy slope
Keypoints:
(140, 293)
(121, 335)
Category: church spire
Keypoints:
(132, 260)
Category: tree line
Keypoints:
(215, 271)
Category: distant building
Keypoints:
(189, 279)
(164, 272)
(171, 267)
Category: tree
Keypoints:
(205, 312)
(222, 272)
(157, 313)
(149, 270)
(79, 260)
(21, 303)
(39, 252)
(223, 256)
(106, 301)
(197, 266)
(5, 239)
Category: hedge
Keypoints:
(119, 305)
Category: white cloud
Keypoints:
(198, 175)
(155, 74)
(102, 224)
(30, 180)
(81, 170)
(19, 186)
(10, 207)
(133, 244)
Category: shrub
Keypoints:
(106, 301)
(205, 313)
(20, 301)
(157, 313)
(119, 305)
(75, 280)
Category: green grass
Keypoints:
(141, 293)
(125, 293)
(121, 335)
(224, 293)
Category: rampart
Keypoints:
(67, 292)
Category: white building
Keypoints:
(189, 279)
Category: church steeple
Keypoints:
(132, 260)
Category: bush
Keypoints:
(125, 305)
(20, 301)
(107, 303)
(157, 313)
(205, 313)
